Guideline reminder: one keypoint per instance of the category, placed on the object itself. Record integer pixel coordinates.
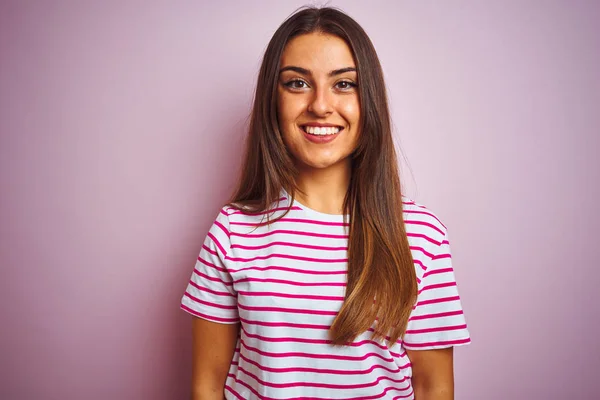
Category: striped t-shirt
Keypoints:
(284, 283)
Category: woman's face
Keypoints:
(317, 100)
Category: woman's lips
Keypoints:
(320, 139)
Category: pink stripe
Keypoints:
(231, 390)
(386, 338)
(238, 212)
(412, 203)
(209, 317)
(420, 264)
(204, 289)
(287, 310)
(440, 300)
(249, 387)
(286, 256)
(287, 269)
(437, 329)
(398, 355)
(442, 343)
(220, 225)
(318, 370)
(422, 250)
(284, 324)
(405, 396)
(311, 341)
(441, 256)
(290, 244)
(210, 278)
(211, 251)
(226, 212)
(412, 222)
(424, 213)
(289, 232)
(208, 303)
(296, 220)
(437, 286)
(284, 282)
(292, 296)
(407, 365)
(211, 265)
(284, 339)
(317, 356)
(323, 385)
(436, 315)
(437, 271)
(215, 241)
(422, 236)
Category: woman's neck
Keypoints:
(324, 190)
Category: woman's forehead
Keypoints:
(317, 52)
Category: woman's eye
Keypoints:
(296, 84)
(346, 85)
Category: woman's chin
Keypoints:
(323, 164)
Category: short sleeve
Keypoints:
(437, 320)
(210, 294)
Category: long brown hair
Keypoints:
(381, 277)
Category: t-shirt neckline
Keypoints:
(315, 213)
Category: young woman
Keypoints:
(320, 280)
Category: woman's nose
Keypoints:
(321, 103)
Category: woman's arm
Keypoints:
(432, 374)
(212, 348)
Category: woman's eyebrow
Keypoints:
(341, 71)
(308, 72)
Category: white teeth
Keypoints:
(315, 130)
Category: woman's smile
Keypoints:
(320, 134)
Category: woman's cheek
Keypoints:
(351, 109)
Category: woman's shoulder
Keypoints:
(249, 213)
(421, 220)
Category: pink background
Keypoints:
(120, 139)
